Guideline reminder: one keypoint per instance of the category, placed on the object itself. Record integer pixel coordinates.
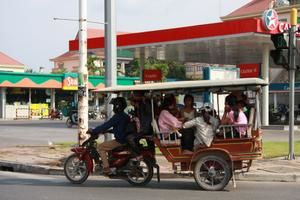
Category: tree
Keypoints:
(60, 69)
(93, 65)
(176, 70)
(170, 69)
(152, 63)
(29, 70)
(133, 68)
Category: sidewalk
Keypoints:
(45, 160)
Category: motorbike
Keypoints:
(103, 114)
(280, 115)
(73, 118)
(56, 114)
(86, 160)
(93, 115)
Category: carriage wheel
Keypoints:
(212, 172)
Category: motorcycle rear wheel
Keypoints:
(76, 170)
(141, 173)
(69, 123)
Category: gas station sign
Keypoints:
(152, 75)
(249, 70)
(271, 22)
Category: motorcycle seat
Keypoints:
(120, 148)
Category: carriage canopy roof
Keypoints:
(204, 85)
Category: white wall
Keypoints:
(12, 68)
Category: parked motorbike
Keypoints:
(85, 160)
(280, 115)
(93, 115)
(56, 114)
(103, 114)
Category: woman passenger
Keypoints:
(167, 122)
(188, 113)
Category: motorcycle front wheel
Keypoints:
(141, 172)
(76, 170)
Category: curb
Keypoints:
(279, 127)
(272, 177)
(46, 170)
(33, 169)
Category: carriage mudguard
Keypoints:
(201, 152)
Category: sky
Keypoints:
(29, 34)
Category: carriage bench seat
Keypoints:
(168, 142)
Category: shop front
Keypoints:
(33, 95)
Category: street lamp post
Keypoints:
(82, 73)
(292, 70)
(110, 51)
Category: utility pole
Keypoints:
(82, 74)
(110, 51)
(292, 70)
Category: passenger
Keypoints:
(206, 126)
(175, 111)
(167, 122)
(142, 116)
(119, 123)
(188, 113)
(234, 115)
(245, 106)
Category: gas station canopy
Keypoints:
(230, 42)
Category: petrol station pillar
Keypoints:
(2, 102)
(52, 98)
(265, 90)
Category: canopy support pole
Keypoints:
(265, 89)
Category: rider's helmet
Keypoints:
(119, 104)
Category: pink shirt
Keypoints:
(166, 121)
(242, 119)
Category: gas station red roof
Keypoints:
(230, 42)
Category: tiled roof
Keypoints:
(6, 60)
(255, 6)
(72, 55)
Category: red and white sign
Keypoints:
(152, 75)
(270, 19)
(249, 70)
(271, 22)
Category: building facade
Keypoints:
(31, 95)
(9, 64)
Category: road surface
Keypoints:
(17, 186)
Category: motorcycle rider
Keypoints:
(119, 123)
